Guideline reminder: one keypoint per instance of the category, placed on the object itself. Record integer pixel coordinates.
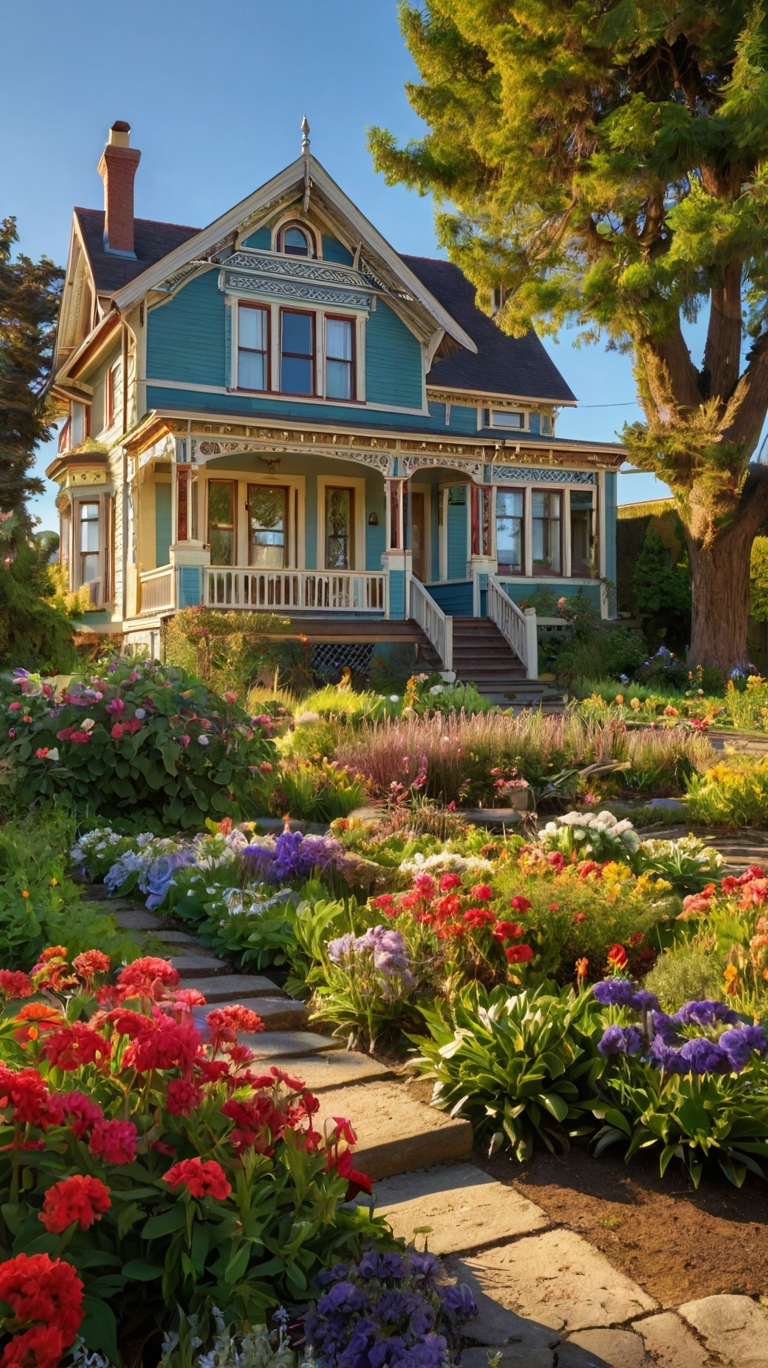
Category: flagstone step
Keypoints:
(200, 963)
(337, 1068)
(395, 1132)
(286, 1047)
(460, 1205)
(277, 1013)
(133, 918)
(231, 988)
(171, 937)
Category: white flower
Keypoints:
(436, 689)
(53, 754)
(579, 833)
(394, 698)
(140, 713)
(606, 817)
(307, 717)
(202, 740)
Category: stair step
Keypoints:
(395, 1132)
(200, 964)
(277, 1013)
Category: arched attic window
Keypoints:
(295, 240)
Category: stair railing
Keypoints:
(434, 623)
(517, 627)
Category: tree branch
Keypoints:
(671, 374)
(723, 346)
(749, 402)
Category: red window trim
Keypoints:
(301, 356)
(250, 304)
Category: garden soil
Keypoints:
(675, 1242)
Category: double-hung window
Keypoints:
(252, 347)
(510, 522)
(297, 352)
(339, 358)
(547, 522)
(89, 542)
(339, 521)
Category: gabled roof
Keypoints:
(503, 365)
(153, 241)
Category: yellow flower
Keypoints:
(635, 704)
(54, 883)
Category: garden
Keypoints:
(487, 902)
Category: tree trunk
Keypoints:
(720, 597)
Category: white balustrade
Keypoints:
(434, 623)
(330, 591)
(517, 627)
(157, 590)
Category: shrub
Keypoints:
(136, 735)
(318, 791)
(662, 591)
(522, 1068)
(682, 974)
(733, 793)
(227, 651)
(158, 1170)
(34, 631)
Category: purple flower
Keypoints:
(612, 1042)
(614, 992)
(644, 1001)
(702, 1056)
(740, 1043)
(706, 1013)
(293, 857)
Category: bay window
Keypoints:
(339, 354)
(510, 523)
(546, 529)
(297, 352)
(252, 348)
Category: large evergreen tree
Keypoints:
(605, 163)
(29, 303)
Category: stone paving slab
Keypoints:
(671, 1343)
(525, 1354)
(200, 963)
(462, 1205)
(234, 987)
(132, 918)
(556, 1278)
(336, 1069)
(395, 1132)
(277, 1014)
(603, 1349)
(734, 1327)
(282, 1047)
(171, 937)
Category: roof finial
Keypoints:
(305, 134)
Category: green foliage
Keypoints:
(39, 903)
(336, 703)
(758, 580)
(29, 304)
(662, 593)
(316, 790)
(35, 633)
(684, 973)
(228, 651)
(137, 735)
(521, 1068)
(734, 793)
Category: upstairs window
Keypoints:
(77, 425)
(507, 418)
(339, 358)
(297, 352)
(252, 348)
(295, 241)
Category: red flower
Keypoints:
(449, 906)
(202, 1178)
(146, 976)
(478, 917)
(117, 731)
(91, 962)
(578, 917)
(75, 1045)
(38, 1288)
(80, 738)
(169, 1044)
(15, 985)
(356, 1181)
(115, 1141)
(41, 1347)
(188, 997)
(481, 891)
(636, 938)
(78, 1198)
(383, 903)
(617, 957)
(424, 885)
(588, 867)
(449, 881)
(41, 752)
(224, 1023)
(133, 725)
(258, 1123)
(26, 1092)
(518, 954)
(83, 1113)
(556, 861)
(505, 930)
(520, 904)
(182, 1097)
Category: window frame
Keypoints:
(538, 567)
(584, 569)
(287, 532)
(82, 522)
(114, 374)
(509, 427)
(352, 323)
(511, 489)
(299, 356)
(226, 527)
(265, 309)
(349, 490)
(308, 234)
(359, 513)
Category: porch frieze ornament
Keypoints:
(472, 468)
(164, 449)
(294, 289)
(294, 268)
(544, 475)
(268, 443)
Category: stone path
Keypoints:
(546, 1297)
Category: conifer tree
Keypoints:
(604, 163)
(29, 304)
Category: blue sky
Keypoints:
(215, 97)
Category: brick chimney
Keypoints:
(117, 169)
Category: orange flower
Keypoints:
(36, 1017)
(617, 957)
(582, 966)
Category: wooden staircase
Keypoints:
(482, 656)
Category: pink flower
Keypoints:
(80, 738)
(13, 707)
(556, 861)
(115, 1140)
(116, 707)
(519, 904)
(184, 740)
(133, 726)
(11, 732)
(265, 767)
(481, 891)
(424, 885)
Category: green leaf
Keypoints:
(165, 1223)
(139, 1271)
(99, 1328)
(555, 1105)
(237, 1264)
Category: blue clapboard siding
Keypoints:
(333, 250)
(186, 336)
(463, 419)
(392, 360)
(190, 588)
(396, 594)
(163, 524)
(454, 599)
(261, 240)
(457, 540)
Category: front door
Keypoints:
(418, 536)
(268, 526)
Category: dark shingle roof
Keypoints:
(503, 365)
(152, 242)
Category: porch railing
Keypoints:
(157, 590)
(517, 627)
(329, 591)
(434, 623)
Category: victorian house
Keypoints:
(280, 412)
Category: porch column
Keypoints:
(482, 558)
(396, 560)
(188, 554)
